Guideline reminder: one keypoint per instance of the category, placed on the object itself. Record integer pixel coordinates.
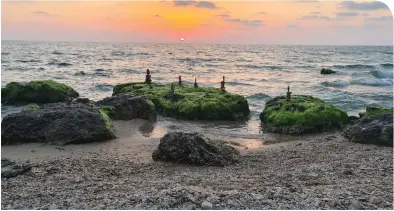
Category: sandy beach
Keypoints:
(322, 171)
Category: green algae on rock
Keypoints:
(372, 111)
(197, 103)
(302, 114)
(31, 107)
(46, 91)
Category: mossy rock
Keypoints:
(372, 111)
(31, 107)
(201, 103)
(327, 71)
(302, 114)
(41, 92)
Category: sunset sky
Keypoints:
(247, 22)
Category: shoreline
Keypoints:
(322, 171)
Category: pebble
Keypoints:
(206, 205)
(355, 205)
(53, 207)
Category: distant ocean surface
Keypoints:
(258, 72)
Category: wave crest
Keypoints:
(382, 74)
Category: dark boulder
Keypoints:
(128, 106)
(327, 71)
(57, 123)
(40, 92)
(377, 129)
(11, 169)
(194, 149)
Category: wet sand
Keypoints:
(320, 171)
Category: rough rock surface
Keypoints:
(319, 173)
(57, 123)
(193, 148)
(40, 92)
(11, 169)
(129, 106)
(376, 129)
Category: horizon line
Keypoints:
(195, 43)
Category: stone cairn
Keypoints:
(180, 81)
(195, 83)
(222, 88)
(148, 79)
(288, 94)
(171, 96)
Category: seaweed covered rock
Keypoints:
(41, 92)
(376, 129)
(128, 106)
(194, 149)
(31, 106)
(188, 102)
(57, 123)
(327, 71)
(302, 114)
(11, 169)
(372, 111)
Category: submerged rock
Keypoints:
(302, 114)
(201, 103)
(372, 111)
(57, 123)
(194, 149)
(376, 129)
(327, 71)
(49, 91)
(128, 106)
(11, 169)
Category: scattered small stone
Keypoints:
(206, 205)
(355, 205)
(53, 207)
(348, 172)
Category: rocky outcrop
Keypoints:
(128, 106)
(189, 102)
(11, 169)
(57, 123)
(194, 149)
(376, 129)
(301, 114)
(327, 71)
(39, 92)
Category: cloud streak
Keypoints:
(363, 6)
(206, 4)
(184, 3)
(42, 13)
(198, 4)
(314, 17)
(381, 18)
(347, 14)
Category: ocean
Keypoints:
(259, 72)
